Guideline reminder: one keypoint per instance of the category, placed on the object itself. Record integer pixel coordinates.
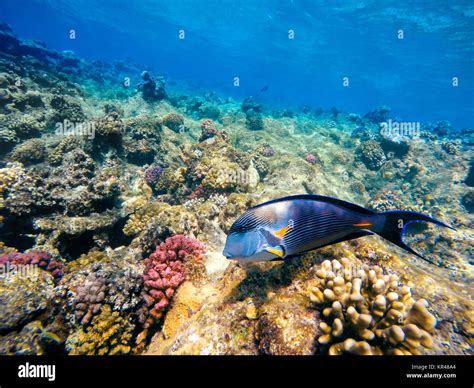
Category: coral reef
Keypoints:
(177, 218)
(208, 129)
(152, 174)
(367, 312)
(32, 340)
(174, 121)
(109, 333)
(372, 154)
(254, 120)
(110, 127)
(31, 151)
(34, 257)
(25, 294)
(379, 114)
(97, 219)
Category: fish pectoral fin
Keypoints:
(278, 251)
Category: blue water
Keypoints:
(250, 40)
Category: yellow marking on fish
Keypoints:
(283, 231)
(363, 224)
(276, 251)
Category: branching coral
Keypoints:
(368, 312)
(164, 272)
(96, 280)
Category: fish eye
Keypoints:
(238, 228)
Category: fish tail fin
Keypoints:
(394, 223)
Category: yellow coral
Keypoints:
(109, 333)
(85, 260)
(8, 177)
(361, 301)
(178, 218)
(67, 144)
(170, 180)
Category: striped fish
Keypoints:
(286, 227)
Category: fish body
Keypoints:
(289, 226)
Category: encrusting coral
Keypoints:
(365, 311)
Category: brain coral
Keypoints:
(365, 311)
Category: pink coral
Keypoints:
(165, 271)
(34, 257)
(208, 129)
(310, 158)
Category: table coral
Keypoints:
(366, 311)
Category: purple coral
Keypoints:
(39, 258)
(152, 174)
(89, 298)
(268, 151)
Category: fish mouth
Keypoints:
(227, 255)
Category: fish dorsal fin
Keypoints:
(321, 198)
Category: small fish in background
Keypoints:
(287, 227)
(262, 90)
